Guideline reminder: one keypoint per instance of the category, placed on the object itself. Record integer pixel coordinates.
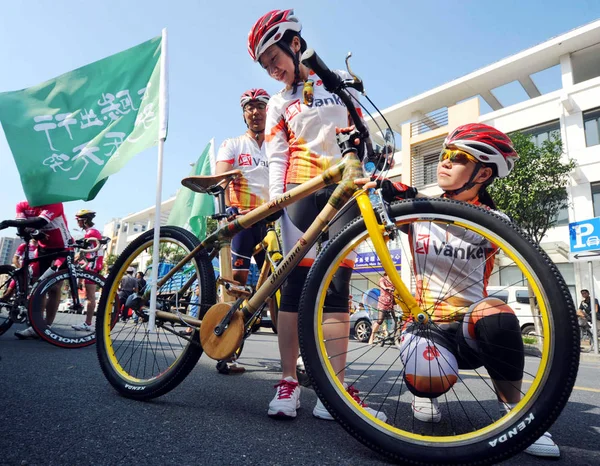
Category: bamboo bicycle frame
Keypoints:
(344, 173)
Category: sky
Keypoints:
(400, 49)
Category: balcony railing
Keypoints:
(429, 122)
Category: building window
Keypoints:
(541, 133)
(591, 123)
(562, 218)
(425, 158)
(596, 199)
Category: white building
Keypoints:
(123, 231)
(8, 246)
(571, 107)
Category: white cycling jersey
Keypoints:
(300, 137)
(452, 267)
(252, 189)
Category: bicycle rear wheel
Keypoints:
(7, 303)
(54, 324)
(144, 364)
(472, 429)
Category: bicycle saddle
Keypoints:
(211, 184)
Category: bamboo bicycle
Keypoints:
(143, 365)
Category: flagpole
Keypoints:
(163, 110)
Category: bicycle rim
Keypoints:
(138, 362)
(60, 330)
(472, 428)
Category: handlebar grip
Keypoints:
(82, 245)
(331, 81)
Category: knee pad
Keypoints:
(430, 365)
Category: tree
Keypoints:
(535, 191)
(109, 262)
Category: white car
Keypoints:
(360, 325)
(517, 297)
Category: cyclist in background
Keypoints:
(50, 220)
(385, 305)
(92, 261)
(246, 153)
(301, 144)
(472, 329)
(127, 287)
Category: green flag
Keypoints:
(69, 134)
(191, 209)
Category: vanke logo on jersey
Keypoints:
(295, 107)
(457, 252)
(246, 160)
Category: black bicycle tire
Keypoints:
(552, 397)
(7, 324)
(36, 317)
(176, 374)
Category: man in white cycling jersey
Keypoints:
(246, 153)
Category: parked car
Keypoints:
(517, 297)
(360, 325)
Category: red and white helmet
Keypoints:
(259, 95)
(486, 144)
(269, 29)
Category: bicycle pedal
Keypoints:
(233, 288)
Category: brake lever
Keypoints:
(356, 82)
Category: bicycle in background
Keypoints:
(23, 300)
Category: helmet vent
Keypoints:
(481, 148)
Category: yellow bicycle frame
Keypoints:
(376, 233)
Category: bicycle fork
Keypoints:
(376, 232)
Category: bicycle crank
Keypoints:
(224, 345)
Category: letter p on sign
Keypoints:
(581, 231)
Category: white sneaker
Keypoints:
(321, 412)
(286, 400)
(83, 327)
(353, 392)
(544, 447)
(29, 332)
(426, 409)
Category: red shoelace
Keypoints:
(353, 392)
(285, 388)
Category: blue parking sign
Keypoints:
(584, 239)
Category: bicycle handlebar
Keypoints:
(336, 85)
(82, 244)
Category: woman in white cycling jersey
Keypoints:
(472, 330)
(300, 143)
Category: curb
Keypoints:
(532, 350)
(590, 357)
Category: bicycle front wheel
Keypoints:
(54, 315)
(471, 429)
(144, 364)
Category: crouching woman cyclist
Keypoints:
(471, 330)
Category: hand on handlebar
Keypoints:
(396, 191)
